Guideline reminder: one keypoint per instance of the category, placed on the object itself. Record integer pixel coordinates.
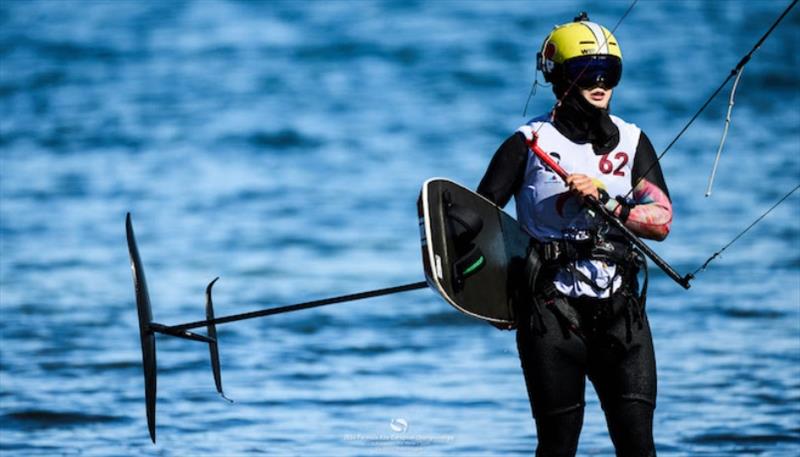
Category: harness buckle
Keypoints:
(551, 251)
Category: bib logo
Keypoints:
(553, 176)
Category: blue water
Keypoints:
(281, 145)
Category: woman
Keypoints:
(586, 316)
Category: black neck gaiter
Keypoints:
(581, 122)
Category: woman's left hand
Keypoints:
(582, 186)
(503, 326)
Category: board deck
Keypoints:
(489, 290)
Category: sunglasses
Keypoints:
(587, 72)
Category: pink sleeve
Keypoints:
(652, 214)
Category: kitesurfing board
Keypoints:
(489, 290)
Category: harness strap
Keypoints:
(562, 254)
(572, 268)
(636, 304)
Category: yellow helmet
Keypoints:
(583, 53)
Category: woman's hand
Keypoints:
(582, 186)
(500, 326)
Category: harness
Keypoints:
(588, 315)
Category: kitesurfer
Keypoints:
(586, 313)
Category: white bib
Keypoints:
(548, 211)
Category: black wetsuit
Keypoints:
(557, 356)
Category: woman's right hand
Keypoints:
(582, 186)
